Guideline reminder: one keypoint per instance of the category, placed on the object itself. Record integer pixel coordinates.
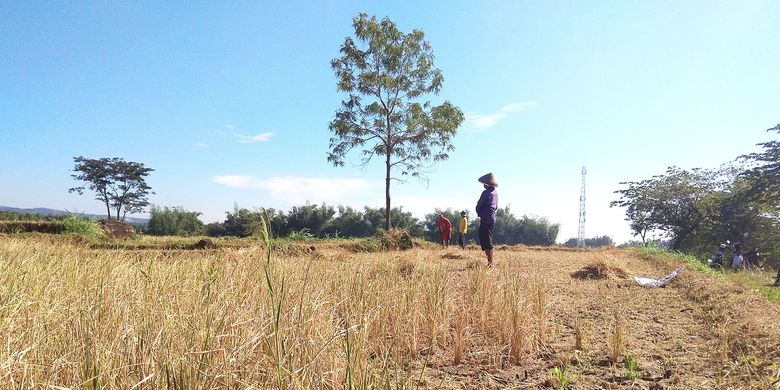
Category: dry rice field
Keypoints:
(75, 317)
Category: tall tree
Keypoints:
(765, 173)
(383, 75)
(117, 183)
(678, 203)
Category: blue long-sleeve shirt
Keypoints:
(487, 206)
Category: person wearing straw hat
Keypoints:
(486, 211)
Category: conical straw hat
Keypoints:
(489, 179)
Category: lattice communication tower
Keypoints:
(581, 230)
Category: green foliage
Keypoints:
(319, 221)
(14, 216)
(216, 229)
(174, 221)
(765, 171)
(369, 244)
(560, 376)
(399, 219)
(631, 364)
(119, 184)
(313, 218)
(14, 227)
(322, 221)
(594, 242)
(383, 74)
(659, 252)
(698, 209)
(301, 235)
(349, 222)
(677, 202)
(85, 227)
(508, 230)
(244, 222)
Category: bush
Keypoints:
(174, 221)
(82, 226)
(301, 235)
(13, 227)
(216, 229)
(395, 239)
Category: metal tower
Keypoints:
(581, 231)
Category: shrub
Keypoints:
(174, 221)
(82, 226)
(395, 239)
(13, 227)
(560, 376)
(301, 235)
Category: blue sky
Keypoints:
(230, 103)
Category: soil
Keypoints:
(699, 332)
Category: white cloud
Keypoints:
(229, 126)
(250, 139)
(482, 122)
(296, 190)
(202, 145)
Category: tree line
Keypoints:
(327, 221)
(699, 208)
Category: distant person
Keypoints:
(753, 258)
(445, 230)
(464, 228)
(486, 211)
(738, 260)
(777, 281)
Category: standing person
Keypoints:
(486, 211)
(777, 281)
(737, 261)
(464, 227)
(445, 230)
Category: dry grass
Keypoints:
(602, 268)
(71, 316)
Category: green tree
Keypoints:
(594, 242)
(174, 221)
(243, 222)
(677, 203)
(765, 173)
(349, 223)
(508, 230)
(383, 74)
(537, 231)
(216, 229)
(431, 225)
(117, 183)
(310, 216)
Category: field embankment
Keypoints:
(74, 316)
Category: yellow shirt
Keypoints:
(464, 225)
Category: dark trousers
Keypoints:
(461, 241)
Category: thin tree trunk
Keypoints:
(118, 209)
(387, 192)
(108, 210)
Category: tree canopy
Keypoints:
(174, 221)
(698, 209)
(384, 72)
(119, 184)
